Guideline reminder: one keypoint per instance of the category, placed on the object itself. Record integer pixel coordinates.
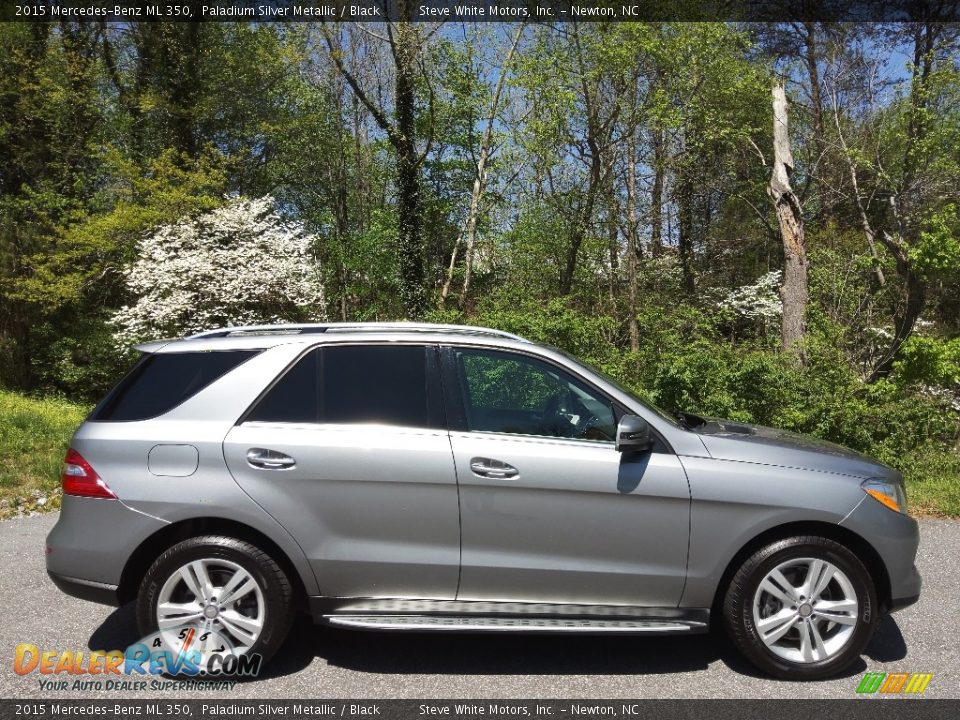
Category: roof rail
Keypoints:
(316, 328)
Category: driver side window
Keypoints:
(508, 393)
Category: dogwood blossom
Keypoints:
(759, 300)
(241, 264)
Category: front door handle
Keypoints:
(269, 459)
(496, 469)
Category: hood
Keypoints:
(726, 440)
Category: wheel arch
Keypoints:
(156, 544)
(846, 537)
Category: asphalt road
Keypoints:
(323, 663)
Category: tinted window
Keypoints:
(352, 384)
(295, 396)
(516, 394)
(162, 381)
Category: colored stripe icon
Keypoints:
(894, 683)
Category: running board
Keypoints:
(427, 623)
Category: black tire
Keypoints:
(274, 584)
(738, 606)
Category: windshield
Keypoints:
(619, 386)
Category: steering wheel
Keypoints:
(558, 407)
(553, 415)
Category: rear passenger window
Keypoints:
(162, 381)
(353, 384)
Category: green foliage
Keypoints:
(34, 435)
(108, 132)
(167, 189)
(930, 361)
(937, 253)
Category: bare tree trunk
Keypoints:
(794, 292)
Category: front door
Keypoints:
(349, 452)
(550, 512)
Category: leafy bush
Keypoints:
(929, 361)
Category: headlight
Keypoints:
(890, 494)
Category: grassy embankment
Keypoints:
(33, 440)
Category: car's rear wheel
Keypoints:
(233, 595)
(801, 608)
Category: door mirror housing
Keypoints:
(633, 434)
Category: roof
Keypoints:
(263, 336)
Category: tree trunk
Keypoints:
(914, 288)
(811, 55)
(479, 185)
(656, 195)
(794, 291)
(633, 244)
(405, 46)
(412, 290)
(914, 300)
(868, 231)
(684, 197)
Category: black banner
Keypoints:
(873, 709)
(544, 11)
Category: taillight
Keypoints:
(79, 479)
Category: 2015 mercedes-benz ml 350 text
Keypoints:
(427, 477)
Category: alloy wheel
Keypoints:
(218, 597)
(805, 610)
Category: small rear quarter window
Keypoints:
(162, 381)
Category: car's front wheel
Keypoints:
(801, 608)
(215, 595)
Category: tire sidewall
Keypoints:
(777, 553)
(275, 604)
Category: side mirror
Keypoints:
(633, 434)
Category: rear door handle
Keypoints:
(269, 459)
(496, 469)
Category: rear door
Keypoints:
(348, 450)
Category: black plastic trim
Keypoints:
(900, 603)
(89, 590)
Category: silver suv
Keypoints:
(427, 477)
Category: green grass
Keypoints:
(34, 435)
(933, 481)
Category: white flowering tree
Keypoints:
(761, 300)
(238, 265)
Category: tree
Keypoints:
(51, 130)
(794, 292)
(240, 264)
(469, 233)
(406, 42)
